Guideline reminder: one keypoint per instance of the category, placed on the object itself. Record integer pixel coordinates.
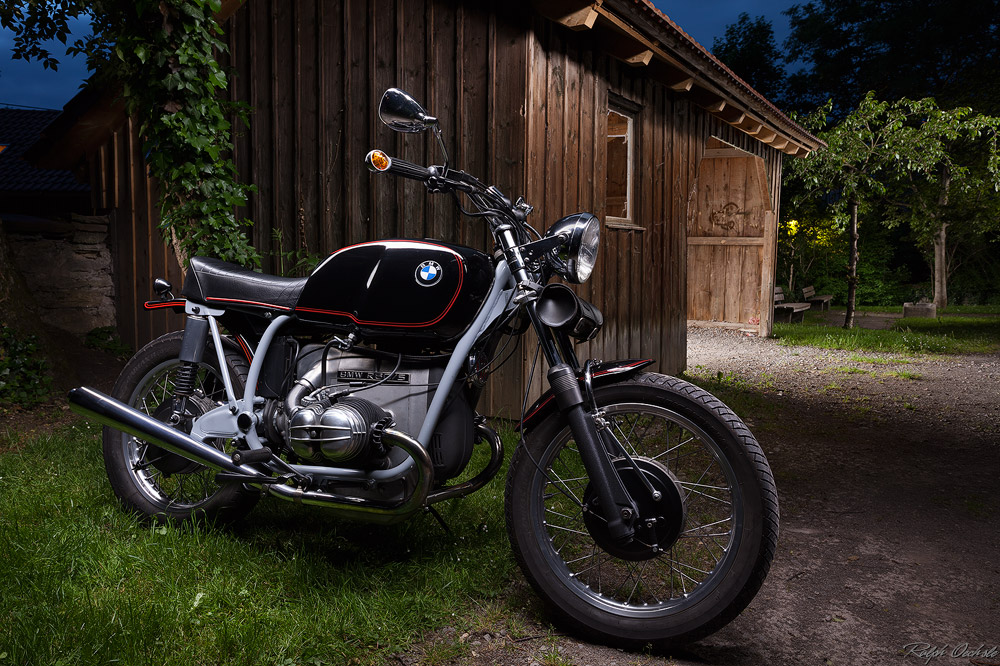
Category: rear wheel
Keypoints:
(700, 552)
(158, 484)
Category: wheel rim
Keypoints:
(164, 478)
(663, 583)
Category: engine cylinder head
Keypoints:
(337, 433)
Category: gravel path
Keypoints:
(941, 388)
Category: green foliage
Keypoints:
(162, 53)
(24, 371)
(898, 48)
(298, 261)
(106, 339)
(907, 160)
(82, 582)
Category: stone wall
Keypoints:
(67, 266)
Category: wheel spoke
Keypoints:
(655, 438)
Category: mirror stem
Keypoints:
(437, 133)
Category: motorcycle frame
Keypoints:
(240, 415)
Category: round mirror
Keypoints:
(403, 113)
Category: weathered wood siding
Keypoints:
(640, 280)
(523, 104)
(314, 72)
(119, 183)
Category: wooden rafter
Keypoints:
(574, 14)
(621, 46)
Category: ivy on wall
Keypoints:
(162, 54)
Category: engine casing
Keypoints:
(341, 433)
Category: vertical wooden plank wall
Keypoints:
(639, 281)
(137, 248)
(522, 102)
(313, 72)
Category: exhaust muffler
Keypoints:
(110, 412)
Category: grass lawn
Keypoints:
(943, 335)
(81, 582)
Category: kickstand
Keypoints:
(431, 510)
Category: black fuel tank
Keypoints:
(399, 293)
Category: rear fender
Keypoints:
(604, 372)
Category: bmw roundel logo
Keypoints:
(428, 273)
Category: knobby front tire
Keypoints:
(685, 441)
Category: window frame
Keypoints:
(630, 111)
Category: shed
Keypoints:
(605, 105)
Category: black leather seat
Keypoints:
(220, 283)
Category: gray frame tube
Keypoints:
(500, 279)
(489, 312)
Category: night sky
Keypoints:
(28, 84)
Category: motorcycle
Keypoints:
(638, 506)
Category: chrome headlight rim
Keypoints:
(574, 260)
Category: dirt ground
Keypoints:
(889, 551)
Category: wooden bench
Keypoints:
(788, 311)
(823, 300)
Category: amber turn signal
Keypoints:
(378, 161)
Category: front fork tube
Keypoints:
(615, 504)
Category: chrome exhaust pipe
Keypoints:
(110, 412)
(481, 479)
(366, 510)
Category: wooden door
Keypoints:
(731, 241)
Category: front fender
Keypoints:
(605, 372)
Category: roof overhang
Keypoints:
(641, 36)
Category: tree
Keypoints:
(897, 48)
(948, 168)
(749, 49)
(946, 164)
(161, 55)
(853, 165)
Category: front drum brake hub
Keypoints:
(659, 522)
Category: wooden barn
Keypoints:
(600, 105)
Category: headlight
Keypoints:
(575, 258)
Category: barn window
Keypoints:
(620, 195)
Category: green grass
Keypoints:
(747, 398)
(902, 374)
(878, 360)
(81, 582)
(951, 309)
(943, 335)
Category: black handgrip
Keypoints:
(379, 161)
(409, 170)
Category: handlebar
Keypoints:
(443, 179)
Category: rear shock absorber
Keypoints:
(192, 351)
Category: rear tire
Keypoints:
(715, 551)
(156, 484)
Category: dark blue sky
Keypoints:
(30, 85)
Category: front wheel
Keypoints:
(700, 552)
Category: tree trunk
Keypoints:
(941, 268)
(852, 266)
(941, 248)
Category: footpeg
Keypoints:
(250, 456)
